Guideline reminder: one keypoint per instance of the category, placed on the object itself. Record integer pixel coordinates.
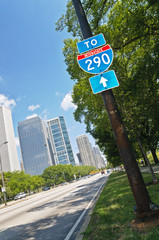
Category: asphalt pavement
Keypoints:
(57, 214)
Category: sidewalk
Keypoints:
(13, 202)
(146, 169)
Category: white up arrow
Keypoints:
(103, 81)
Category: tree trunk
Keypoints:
(155, 158)
(136, 181)
(154, 178)
(144, 157)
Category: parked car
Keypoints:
(20, 195)
(46, 188)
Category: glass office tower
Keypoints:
(60, 142)
(34, 145)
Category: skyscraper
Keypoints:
(34, 145)
(60, 142)
(98, 158)
(85, 150)
(9, 156)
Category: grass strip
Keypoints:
(113, 213)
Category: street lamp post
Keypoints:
(5, 200)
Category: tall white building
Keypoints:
(86, 150)
(8, 152)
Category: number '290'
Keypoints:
(97, 60)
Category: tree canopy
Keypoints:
(57, 174)
(132, 30)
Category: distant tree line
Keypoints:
(18, 181)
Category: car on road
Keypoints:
(46, 188)
(20, 195)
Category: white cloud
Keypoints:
(67, 102)
(17, 141)
(43, 115)
(33, 107)
(5, 101)
(31, 116)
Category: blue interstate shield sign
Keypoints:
(96, 61)
(103, 82)
(91, 43)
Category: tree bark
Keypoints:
(154, 178)
(136, 181)
(155, 158)
(144, 159)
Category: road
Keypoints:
(57, 214)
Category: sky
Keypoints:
(33, 76)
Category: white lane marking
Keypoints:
(81, 216)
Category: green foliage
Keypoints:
(19, 182)
(81, 171)
(55, 175)
(16, 182)
(132, 29)
(36, 182)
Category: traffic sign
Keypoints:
(91, 43)
(96, 61)
(104, 81)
